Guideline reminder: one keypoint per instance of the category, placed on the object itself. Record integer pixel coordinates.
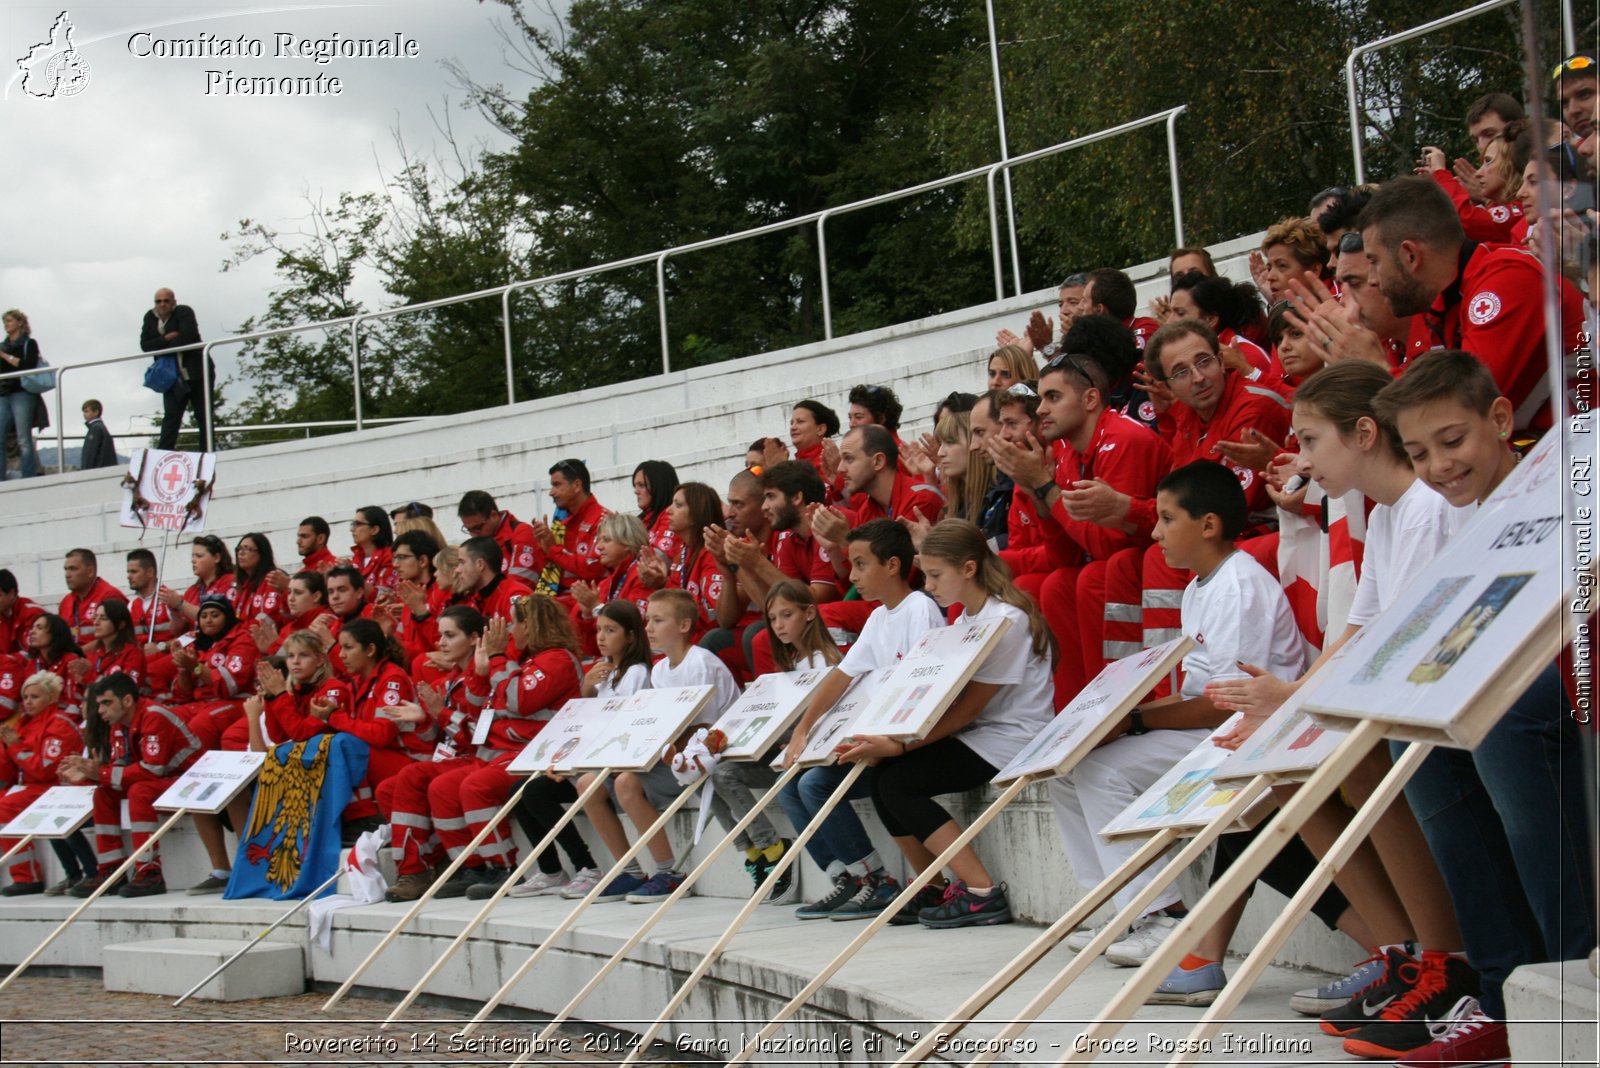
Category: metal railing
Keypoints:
(659, 260)
(1382, 43)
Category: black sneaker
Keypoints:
(876, 892)
(92, 883)
(485, 888)
(1365, 1005)
(927, 897)
(22, 889)
(465, 878)
(962, 908)
(1437, 982)
(784, 890)
(844, 888)
(147, 883)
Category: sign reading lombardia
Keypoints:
(646, 723)
(766, 709)
(1481, 617)
(211, 782)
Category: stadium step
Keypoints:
(170, 966)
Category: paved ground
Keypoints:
(68, 1021)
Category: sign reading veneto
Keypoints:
(561, 739)
(912, 694)
(211, 782)
(168, 490)
(834, 725)
(1482, 615)
(643, 725)
(58, 812)
(1188, 796)
(767, 708)
(1079, 727)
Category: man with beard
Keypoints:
(1487, 300)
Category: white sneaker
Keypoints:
(540, 884)
(1079, 940)
(583, 880)
(1143, 940)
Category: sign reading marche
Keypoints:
(58, 812)
(560, 740)
(766, 709)
(211, 782)
(833, 728)
(913, 694)
(1187, 796)
(1290, 745)
(646, 723)
(1481, 615)
(1111, 695)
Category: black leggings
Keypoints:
(1285, 873)
(903, 787)
(539, 810)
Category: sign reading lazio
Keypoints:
(561, 739)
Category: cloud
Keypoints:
(127, 185)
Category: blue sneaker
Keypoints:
(619, 888)
(657, 888)
(1315, 1002)
(875, 894)
(1199, 987)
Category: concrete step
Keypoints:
(1552, 1013)
(171, 966)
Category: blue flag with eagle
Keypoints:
(290, 846)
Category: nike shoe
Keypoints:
(1438, 983)
(1318, 1000)
(962, 908)
(1467, 1038)
(1365, 1005)
(845, 886)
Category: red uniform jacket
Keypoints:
(167, 624)
(1482, 222)
(42, 740)
(522, 698)
(14, 671)
(418, 636)
(222, 584)
(576, 554)
(494, 600)
(377, 569)
(1132, 459)
(156, 744)
(803, 559)
(621, 585)
(702, 577)
(662, 538)
(908, 495)
(1243, 405)
(15, 624)
(384, 688)
(289, 717)
(129, 661)
(523, 557)
(251, 602)
(322, 560)
(78, 610)
(232, 661)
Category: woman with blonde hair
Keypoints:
(1010, 364)
(971, 484)
(20, 409)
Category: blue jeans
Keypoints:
(16, 411)
(1506, 824)
(841, 840)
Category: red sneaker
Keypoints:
(1467, 1038)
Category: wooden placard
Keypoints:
(1186, 797)
(1109, 696)
(833, 727)
(643, 725)
(56, 813)
(768, 707)
(561, 740)
(211, 782)
(911, 695)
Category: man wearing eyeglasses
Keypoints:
(167, 325)
(481, 517)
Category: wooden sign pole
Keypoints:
(577, 910)
(1321, 877)
(791, 856)
(105, 885)
(488, 906)
(880, 921)
(427, 896)
(1243, 872)
(1191, 852)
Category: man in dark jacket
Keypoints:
(166, 326)
(99, 450)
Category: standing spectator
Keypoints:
(20, 410)
(1489, 116)
(99, 448)
(166, 325)
(1577, 80)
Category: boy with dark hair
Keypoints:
(1237, 613)
(311, 542)
(881, 557)
(99, 448)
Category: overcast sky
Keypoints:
(127, 185)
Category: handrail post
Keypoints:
(1005, 147)
(61, 427)
(355, 365)
(822, 261)
(1355, 113)
(661, 305)
(994, 238)
(206, 438)
(1172, 164)
(505, 323)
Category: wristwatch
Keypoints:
(1042, 493)
(1136, 723)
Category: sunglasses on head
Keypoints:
(1573, 63)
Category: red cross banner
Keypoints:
(168, 490)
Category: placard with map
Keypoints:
(211, 782)
(643, 725)
(561, 738)
(1290, 745)
(1187, 796)
(834, 725)
(1109, 696)
(768, 707)
(912, 694)
(55, 813)
(1473, 629)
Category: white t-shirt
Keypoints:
(633, 680)
(1025, 702)
(890, 633)
(1402, 540)
(699, 668)
(1239, 613)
